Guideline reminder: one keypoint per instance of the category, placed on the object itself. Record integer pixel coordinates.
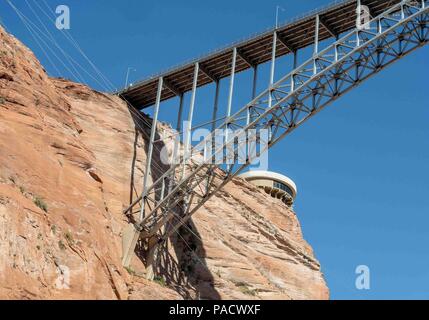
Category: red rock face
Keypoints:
(71, 159)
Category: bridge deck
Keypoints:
(300, 33)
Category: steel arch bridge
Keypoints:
(355, 49)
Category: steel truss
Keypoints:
(171, 200)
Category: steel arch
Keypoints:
(282, 108)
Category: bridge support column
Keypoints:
(215, 105)
(316, 44)
(188, 131)
(295, 65)
(295, 59)
(130, 236)
(359, 21)
(180, 114)
(151, 143)
(273, 69)
(214, 115)
(153, 246)
(230, 96)
(231, 83)
(161, 197)
(255, 81)
(176, 142)
(213, 137)
(179, 128)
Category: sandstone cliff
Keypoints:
(71, 159)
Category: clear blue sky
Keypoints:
(362, 165)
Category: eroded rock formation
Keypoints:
(71, 159)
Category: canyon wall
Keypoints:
(71, 159)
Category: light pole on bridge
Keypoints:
(278, 8)
(128, 75)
